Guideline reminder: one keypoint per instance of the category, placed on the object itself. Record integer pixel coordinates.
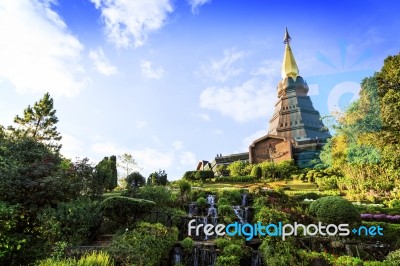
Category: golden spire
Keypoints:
(289, 66)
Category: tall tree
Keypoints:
(114, 181)
(127, 163)
(158, 178)
(39, 122)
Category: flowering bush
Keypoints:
(381, 217)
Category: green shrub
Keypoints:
(123, 209)
(348, 261)
(184, 187)
(72, 222)
(393, 258)
(11, 240)
(315, 258)
(133, 180)
(279, 253)
(198, 175)
(256, 172)
(161, 195)
(223, 201)
(145, 245)
(225, 210)
(187, 244)
(271, 216)
(309, 195)
(233, 196)
(394, 203)
(335, 210)
(326, 183)
(91, 259)
(201, 203)
(235, 179)
(231, 260)
(260, 202)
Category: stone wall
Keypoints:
(270, 148)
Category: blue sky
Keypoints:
(176, 81)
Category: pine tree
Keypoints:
(38, 122)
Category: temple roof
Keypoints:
(289, 66)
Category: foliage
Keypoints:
(271, 216)
(277, 171)
(233, 196)
(158, 178)
(238, 168)
(256, 172)
(99, 258)
(201, 175)
(123, 209)
(201, 203)
(348, 261)
(72, 222)
(393, 258)
(334, 210)
(30, 174)
(161, 195)
(11, 239)
(105, 173)
(278, 252)
(39, 122)
(145, 245)
(187, 244)
(134, 180)
(225, 210)
(184, 187)
(366, 146)
(127, 163)
(235, 179)
(327, 183)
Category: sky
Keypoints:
(173, 82)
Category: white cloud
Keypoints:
(141, 124)
(252, 99)
(71, 146)
(101, 63)
(219, 131)
(196, 4)
(150, 72)
(205, 117)
(37, 51)
(178, 145)
(269, 68)
(129, 22)
(249, 139)
(150, 159)
(187, 158)
(222, 69)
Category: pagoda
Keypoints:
(296, 130)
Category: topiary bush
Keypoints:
(335, 210)
(123, 209)
(187, 244)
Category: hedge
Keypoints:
(122, 209)
(198, 175)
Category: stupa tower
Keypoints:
(294, 116)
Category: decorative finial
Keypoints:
(289, 66)
(287, 38)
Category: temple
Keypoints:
(295, 131)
